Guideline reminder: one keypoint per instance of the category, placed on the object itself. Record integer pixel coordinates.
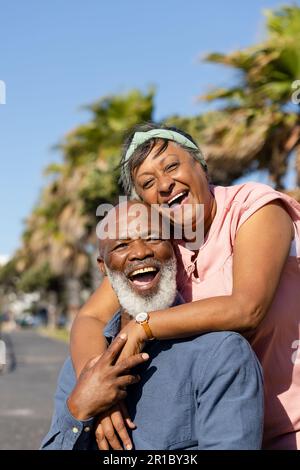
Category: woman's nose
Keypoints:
(165, 184)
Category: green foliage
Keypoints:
(111, 117)
(9, 276)
(100, 187)
(37, 278)
(260, 127)
(53, 169)
(62, 224)
(266, 70)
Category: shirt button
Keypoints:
(87, 429)
(75, 430)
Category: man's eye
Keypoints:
(120, 246)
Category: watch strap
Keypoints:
(147, 329)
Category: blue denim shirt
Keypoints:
(204, 392)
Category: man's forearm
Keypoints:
(87, 341)
(66, 432)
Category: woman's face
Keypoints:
(174, 178)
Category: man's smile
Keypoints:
(144, 277)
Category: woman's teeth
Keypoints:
(177, 199)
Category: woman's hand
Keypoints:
(136, 339)
(111, 429)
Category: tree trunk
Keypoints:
(52, 308)
(278, 163)
(96, 276)
(73, 289)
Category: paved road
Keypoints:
(26, 391)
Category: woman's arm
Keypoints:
(260, 251)
(87, 339)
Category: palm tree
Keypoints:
(60, 232)
(258, 126)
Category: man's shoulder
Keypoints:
(226, 349)
(219, 337)
(229, 342)
(206, 348)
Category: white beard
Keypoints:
(135, 303)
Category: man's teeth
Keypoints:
(175, 197)
(143, 270)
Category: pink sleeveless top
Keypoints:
(277, 340)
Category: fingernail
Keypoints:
(145, 356)
(129, 447)
(123, 336)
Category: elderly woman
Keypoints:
(245, 276)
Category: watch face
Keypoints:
(141, 317)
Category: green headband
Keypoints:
(140, 137)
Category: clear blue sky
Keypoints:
(58, 55)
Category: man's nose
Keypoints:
(140, 249)
(165, 184)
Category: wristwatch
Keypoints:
(143, 319)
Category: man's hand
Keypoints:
(111, 429)
(103, 383)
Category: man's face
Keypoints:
(137, 250)
(138, 262)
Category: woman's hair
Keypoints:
(143, 150)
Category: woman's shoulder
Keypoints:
(241, 201)
(252, 196)
(244, 192)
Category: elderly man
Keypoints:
(203, 392)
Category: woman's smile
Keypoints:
(172, 178)
(177, 200)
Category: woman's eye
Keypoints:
(147, 184)
(172, 166)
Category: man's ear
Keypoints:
(101, 265)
